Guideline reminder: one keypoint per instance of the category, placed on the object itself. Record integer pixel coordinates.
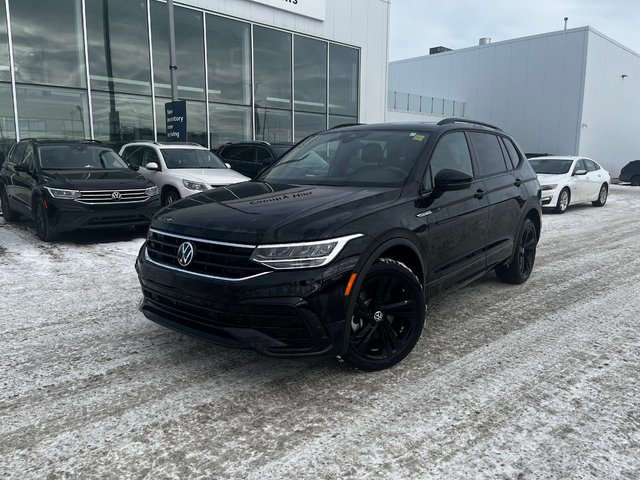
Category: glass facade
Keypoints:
(100, 69)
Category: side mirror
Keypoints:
(21, 167)
(580, 172)
(135, 168)
(228, 166)
(152, 166)
(448, 179)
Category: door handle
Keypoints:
(479, 193)
(518, 182)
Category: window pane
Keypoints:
(196, 121)
(189, 51)
(391, 99)
(488, 153)
(427, 105)
(119, 118)
(272, 59)
(458, 109)
(273, 126)
(229, 60)
(113, 27)
(343, 80)
(7, 126)
(335, 120)
(229, 124)
(52, 112)
(448, 107)
(310, 75)
(414, 103)
(402, 101)
(5, 69)
(451, 152)
(47, 42)
(513, 153)
(308, 123)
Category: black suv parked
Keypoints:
(248, 158)
(66, 185)
(335, 248)
(631, 173)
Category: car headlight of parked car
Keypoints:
(194, 185)
(151, 191)
(552, 186)
(301, 255)
(62, 193)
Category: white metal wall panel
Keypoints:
(610, 121)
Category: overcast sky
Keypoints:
(417, 25)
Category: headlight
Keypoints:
(151, 191)
(62, 193)
(300, 255)
(552, 186)
(194, 185)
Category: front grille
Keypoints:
(212, 259)
(280, 322)
(101, 197)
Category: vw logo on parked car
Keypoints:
(185, 254)
(116, 195)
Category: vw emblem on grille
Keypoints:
(116, 195)
(185, 254)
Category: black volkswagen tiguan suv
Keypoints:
(336, 248)
(68, 185)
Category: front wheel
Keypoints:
(519, 268)
(169, 197)
(563, 201)
(602, 196)
(388, 317)
(43, 229)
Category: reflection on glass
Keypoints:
(272, 58)
(47, 42)
(189, 51)
(196, 121)
(5, 69)
(229, 60)
(308, 123)
(7, 125)
(120, 118)
(229, 124)
(118, 46)
(273, 125)
(344, 65)
(310, 75)
(335, 120)
(52, 112)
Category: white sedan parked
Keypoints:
(571, 180)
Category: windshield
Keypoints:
(191, 158)
(369, 158)
(81, 156)
(552, 166)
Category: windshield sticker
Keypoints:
(418, 138)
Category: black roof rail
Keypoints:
(347, 125)
(447, 121)
(64, 139)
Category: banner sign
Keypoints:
(176, 115)
(309, 8)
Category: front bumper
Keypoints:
(549, 198)
(295, 313)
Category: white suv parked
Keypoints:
(179, 169)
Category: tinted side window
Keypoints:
(512, 152)
(28, 158)
(263, 155)
(242, 153)
(451, 152)
(488, 154)
(18, 153)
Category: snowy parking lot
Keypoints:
(534, 381)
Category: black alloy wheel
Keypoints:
(8, 213)
(169, 197)
(602, 196)
(519, 269)
(563, 201)
(388, 317)
(43, 229)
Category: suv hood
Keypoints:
(261, 213)
(95, 179)
(209, 176)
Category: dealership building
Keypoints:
(570, 92)
(273, 70)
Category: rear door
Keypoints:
(595, 178)
(24, 182)
(580, 184)
(456, 220)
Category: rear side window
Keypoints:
(451, 152)
(488, 154)
(512, 152)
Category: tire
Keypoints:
(8, 213)
(169, 196)
(388, 318)
(518, 269)
(563, 201)
(602, 196)
(635, 181)
(43, 229)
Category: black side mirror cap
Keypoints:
(21, 167)
(449, 179)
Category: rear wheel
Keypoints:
(602, 196)
(7, 212)
(388, 317)
(43, 229)
(170, 196)
(519, 269)
(635, 180)
(563, 201)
